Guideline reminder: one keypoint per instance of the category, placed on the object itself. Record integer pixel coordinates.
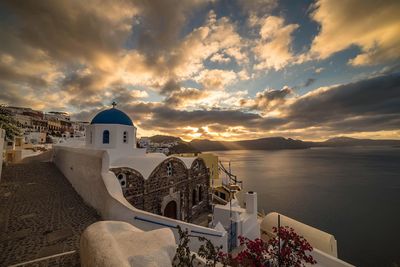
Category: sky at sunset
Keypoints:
(222, 70)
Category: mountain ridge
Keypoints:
(271, 143)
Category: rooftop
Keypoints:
(146, 163)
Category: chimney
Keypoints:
(251, 202)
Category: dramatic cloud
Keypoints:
(69, 30)
(371, 25)
(260, 7)
(185, 96)
(195, 68)
(215, 79)
(124, 96)
(358, 107)
(273, 50)
(220, 58)
(361, 104)
(267, 100)
(217, 36)
(165, 117)
(12, 74)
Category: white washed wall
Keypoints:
(116, 147)
(87, 171)
(324, 244)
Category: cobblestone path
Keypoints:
(40, 216)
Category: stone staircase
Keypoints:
(41, 216)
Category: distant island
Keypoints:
(268, 143)
(348, 141)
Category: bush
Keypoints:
(284, 250)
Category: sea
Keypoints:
(350, 192)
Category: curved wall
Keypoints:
(317, 238)
(87, 171)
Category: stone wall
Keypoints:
(132, 184)
(170, 181)
(199, 188)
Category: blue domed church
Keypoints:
(113, 130)
(174, 187)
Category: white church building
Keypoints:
(153, 191)
(113, 130)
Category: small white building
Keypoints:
(237, 220)
(35, 137)
(144, 142)
(79, 128)
(177, 189)
(113, 131)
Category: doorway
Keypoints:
(170, 210)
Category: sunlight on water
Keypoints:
(352, 193)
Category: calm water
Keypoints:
(352, 193)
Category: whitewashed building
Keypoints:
(123, 182)
(113, 131)
(152, 191)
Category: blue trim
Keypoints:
(202, 233)
(172, 226)
(150, 221)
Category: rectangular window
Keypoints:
(106, 137)
(125, 137)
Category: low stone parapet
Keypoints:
(120, 244)
(318, 239)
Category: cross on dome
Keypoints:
(114, 104)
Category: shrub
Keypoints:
(183, 256)
(284, 250)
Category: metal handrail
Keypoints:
(174, 226)
(231, 176)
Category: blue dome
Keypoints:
(112, 116)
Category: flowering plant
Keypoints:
(286, 249)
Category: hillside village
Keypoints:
(133, 190)
(38, 128)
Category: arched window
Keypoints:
(106, 137)
(194, 197)
(196, 166)
(169, 169)
(91, 137)
(200, 193)
(125, 137)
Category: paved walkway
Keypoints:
(41, 216)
